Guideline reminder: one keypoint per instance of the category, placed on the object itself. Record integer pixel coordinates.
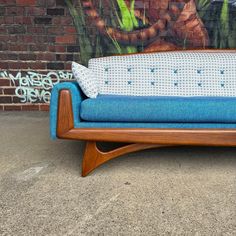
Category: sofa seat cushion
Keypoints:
(110, 108)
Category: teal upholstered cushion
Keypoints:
(159, 109)
(83, 124)
(77, 97)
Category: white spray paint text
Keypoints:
(35, 87)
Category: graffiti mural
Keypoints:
(34, 87)
(131, 26)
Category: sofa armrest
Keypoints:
(77, 97)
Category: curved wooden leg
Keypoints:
(93, 157)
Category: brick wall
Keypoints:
(36, 36)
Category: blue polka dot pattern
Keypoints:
(86, 80)
(180, 73)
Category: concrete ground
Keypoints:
(169, 191)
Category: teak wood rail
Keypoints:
(139, 138)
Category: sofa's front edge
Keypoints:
(76, 98)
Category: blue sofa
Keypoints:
(141, 121)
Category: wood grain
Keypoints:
(205, 137)
(93, 157)
(65, 120)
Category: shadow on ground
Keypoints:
(167, 191)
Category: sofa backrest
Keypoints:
(182, 73)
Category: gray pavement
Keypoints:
(168, 191)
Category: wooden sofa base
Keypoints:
(140, 139)
(93, 157)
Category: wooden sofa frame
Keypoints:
(138, 138)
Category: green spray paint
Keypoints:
(127, 21)
(224, 20)
(79, 21)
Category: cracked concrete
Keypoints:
(168, 191)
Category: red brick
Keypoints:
(44, 107)
(9, 91)
(56, 48)
(61, 57)
(16, 29)
(5, 82)
(27, 56)
(66, 20)
(66, 39)
(9, 20)
(13, 107)
(3, 47)
(72, 48)
(37, 65)
(16, 99)
(2, 11)
(55, 11)
(68, 66)
(11, 56)
(60, 3)
(12, 38)
(3, 56)
(70, 30)
(30, 107)
(5, 99)
(23, 20)
(26, 38)
(36, 11)
(76, 57)
(15, 11)
(36, 30)
(1, 108)
(41, 39)
(25, 2)
(17, 47)
(4, 38)
(47, 56)
(7, 2)
(45, 20)
(65, 80)
(60, 48)
(18, 65)
(3, 30)
(55, 30)
(55, 66)
(56, 20)
(2, 20)
(50, 3)
(37, 47)
(4, 65)
(41, 3)
(51, 39)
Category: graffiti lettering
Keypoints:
(32, 95)
(35, 87)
